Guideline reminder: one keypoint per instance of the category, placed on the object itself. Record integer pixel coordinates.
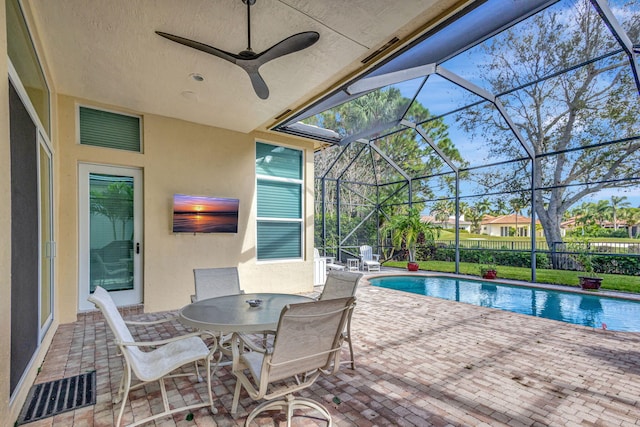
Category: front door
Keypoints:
(110, 233)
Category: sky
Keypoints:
(184, 203)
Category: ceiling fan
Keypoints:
(248, 60)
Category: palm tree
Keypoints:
(484, 206)
(406, 230)
(631, 216)
(602, 210)
(474, 215)
(617, 203)
(517, 204)
(442, 209)
(501, 207)
(584, 214)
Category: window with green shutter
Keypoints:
(279, 194)
(111, 130)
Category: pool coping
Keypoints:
(563, 288)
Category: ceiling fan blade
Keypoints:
(259, 85)
(201, 47)
(289, 45)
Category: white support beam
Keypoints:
(368, 132)
(620, 34)
(391, 162)
(432, 144)
(513, 128)
(377, 82)
(465, 84)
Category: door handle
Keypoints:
(137, 248)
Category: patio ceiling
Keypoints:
(107, 51)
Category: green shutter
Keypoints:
(280, 162)
(279, 199)
(111, 130)
(279, 240)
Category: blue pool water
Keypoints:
(580, 309)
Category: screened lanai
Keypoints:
(526, 106)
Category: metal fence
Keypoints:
(541, 245)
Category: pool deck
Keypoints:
(421, 361)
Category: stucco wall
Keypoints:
(187, 158)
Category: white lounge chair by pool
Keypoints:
(368, 259)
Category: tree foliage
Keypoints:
(368, 180)
(571, 117)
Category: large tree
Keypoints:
(569, 107)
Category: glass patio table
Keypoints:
(232, 313)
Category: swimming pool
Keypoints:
(588, 310)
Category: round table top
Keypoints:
(232, 313)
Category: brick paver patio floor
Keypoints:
(421, 361)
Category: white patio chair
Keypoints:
(319, 268)
(331, 261)
(212, 283)
(368, 259)
(154, 365)
(307, 344)
(341, 284)
(215, 282)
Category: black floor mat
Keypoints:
(55, 397)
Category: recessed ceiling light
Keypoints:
(197, 77)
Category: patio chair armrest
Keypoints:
(246, 342)
(150, 322)
(239, 345)
(376, 257)
(165, 341)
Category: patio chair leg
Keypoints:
(125, 395)
(353, 359)
(236, 397)
(209, 391)
(163, 392)
(118, 397)
(198, 376)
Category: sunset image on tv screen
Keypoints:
(197, 214)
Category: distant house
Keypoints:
(449, 223)
(572, 224)
(503, 224)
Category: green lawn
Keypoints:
(560, 277)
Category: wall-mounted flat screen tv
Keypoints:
(198, 214)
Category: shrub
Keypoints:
(499, 257)
(620, 264)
